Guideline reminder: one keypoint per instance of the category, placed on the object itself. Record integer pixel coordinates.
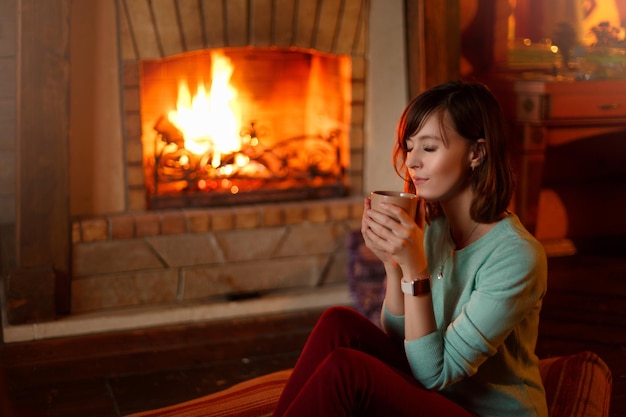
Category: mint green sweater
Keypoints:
(487, 311)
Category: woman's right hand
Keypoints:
(394, 237)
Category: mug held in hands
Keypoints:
(406, 201)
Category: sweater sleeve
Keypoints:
(507, 286)
(393, 325)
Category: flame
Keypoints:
(210, 122)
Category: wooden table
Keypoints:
(552, 112)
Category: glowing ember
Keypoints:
(210, 122)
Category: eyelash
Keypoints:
(426, 149)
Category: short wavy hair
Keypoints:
(475, 114)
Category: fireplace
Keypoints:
(244, 125)
(198, 226)
(126, 264)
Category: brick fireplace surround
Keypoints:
(146, 257)
(138, 267)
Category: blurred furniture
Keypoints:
(549, 112)
(576, 386)
(366, 278)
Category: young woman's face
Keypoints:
(439, 170)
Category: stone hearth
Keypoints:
(211, 255)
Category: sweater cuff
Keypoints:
(393, 325)
(425, 356)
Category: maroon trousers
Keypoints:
(350, 367)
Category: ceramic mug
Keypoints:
(406, 201)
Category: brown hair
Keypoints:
(475, 114)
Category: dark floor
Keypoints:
(117, 374)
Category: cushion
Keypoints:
(256, 397)
(576, 386)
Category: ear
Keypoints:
(477, 153)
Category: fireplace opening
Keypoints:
(244, 125)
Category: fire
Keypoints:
(210, 122)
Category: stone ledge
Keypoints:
(133, 319)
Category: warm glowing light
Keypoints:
(234, 189)
(210, 122)
(217, 160)
(242, 160)
(227, 170)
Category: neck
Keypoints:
(457, 212)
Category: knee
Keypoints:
(336, 313)
(344, 366)
(337, 320)
(345, 357)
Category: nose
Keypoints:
(412, 160)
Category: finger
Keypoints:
(397, 213)
(384, 214)
(381, 224)
(382, 238)
(374, 242)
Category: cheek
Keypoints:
(448, 169)
(441, 165)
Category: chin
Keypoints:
(424, 195)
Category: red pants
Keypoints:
(349, 367)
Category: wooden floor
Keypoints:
(116, 374)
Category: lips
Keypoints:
(419, 180)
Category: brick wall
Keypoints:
(7, 111)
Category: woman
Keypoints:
(464, 287)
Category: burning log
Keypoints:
(169, 133)
(303, 162)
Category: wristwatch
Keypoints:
(418, 286)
